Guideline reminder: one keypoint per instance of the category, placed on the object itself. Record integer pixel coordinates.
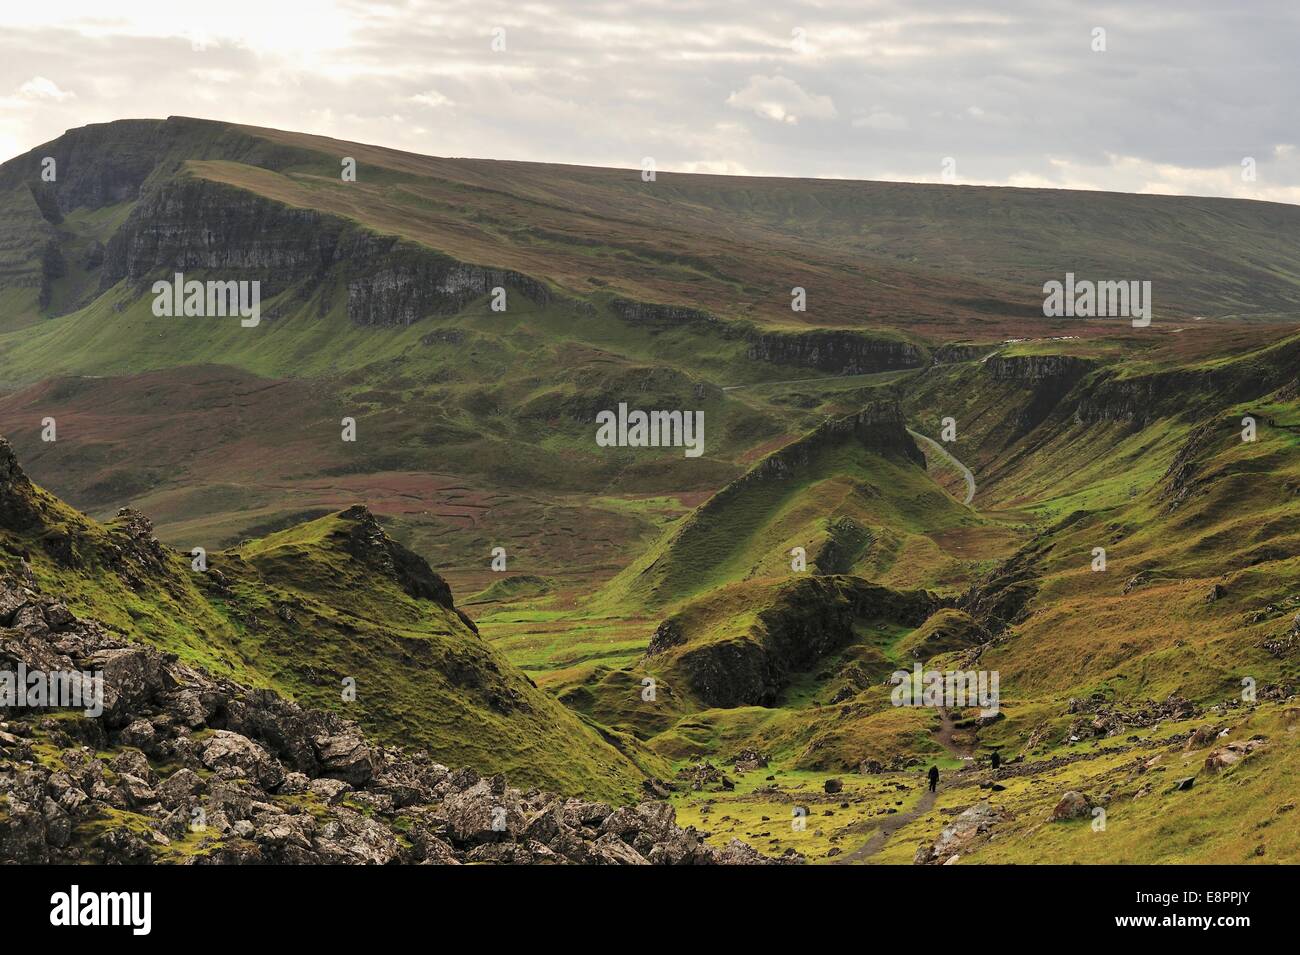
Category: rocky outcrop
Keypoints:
(108, 163)
(194, 224)
(1035, 368)
(366, 541)
(835, 351)
(846, 541)
(947, 631)
(1048, 380)
(1072, 805)
(655, 316)
(29, 241)
(809, 618)
(1229, 755)
(1001, 597)
(970, 829)
(181, 223)
(1189, 393)
(954, 353)
(187, 768)
(1183, 478)
(1098, 717)
(18, 508)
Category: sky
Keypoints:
(1193, 98)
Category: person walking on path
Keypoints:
(934, 777)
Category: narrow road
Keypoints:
(943, 452)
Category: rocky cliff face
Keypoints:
(835, 351)
(1001, 598)
(181, 767)
(1048, 378)
(183, 223)
(1189, 392)
(809, 618)
(371, 546)
(107, 163)
(957, 352)
(193, 224)
(1035, 368)
(29, 243)
(660, 316)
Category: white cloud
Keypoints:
(38, 87)
(781, 99)
(431, 98)
(1009, 88)
(879, 119)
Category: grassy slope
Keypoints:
(505, 403)
(299, 611)
(717, 236)
(847, 505)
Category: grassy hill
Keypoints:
(853, 494)
(475, 433)
(308, 608)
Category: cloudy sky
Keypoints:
(1014, 92)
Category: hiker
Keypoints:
(934, 777)
(995, 760)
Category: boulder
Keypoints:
(330, 791)
(610, 850)
(133, 678)
(347, 757)
(480, 815)
(1229, 755)
(225, 749)
(961, 834)
(180, 787)
(1073, 805)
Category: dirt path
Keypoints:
(887, 829)
(945, 737)
(946, 734)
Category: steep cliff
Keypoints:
(728, 657)
(835, 351)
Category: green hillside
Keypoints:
(917, 470)
(306, 609)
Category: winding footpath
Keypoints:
(892, 824)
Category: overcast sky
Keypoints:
(1014, 92)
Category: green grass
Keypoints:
(476, 430)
